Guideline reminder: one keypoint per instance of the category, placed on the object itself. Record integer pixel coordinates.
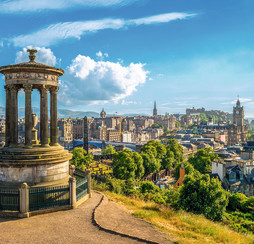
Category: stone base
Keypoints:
(35, 166)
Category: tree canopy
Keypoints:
(109, 150)
(201, 195)
(128, 165)
(202, 160)
(80, 158)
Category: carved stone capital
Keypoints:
(44, 89)
(7, 88)
(13, 88)
(54, 89)
(28, 87)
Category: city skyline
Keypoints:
(124, 54)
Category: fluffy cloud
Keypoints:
(89, 80)
(44, 56)
(57, 32)
(21, 6)
(101, 55)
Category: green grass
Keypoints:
(182, 227)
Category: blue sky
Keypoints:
(124, 54)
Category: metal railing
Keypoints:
(81, 188)
(48, 197)
(9, 199)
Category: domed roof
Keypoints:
(30, 66)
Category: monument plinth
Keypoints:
(36, 164)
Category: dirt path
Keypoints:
(77, 226)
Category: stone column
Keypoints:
(24, 201)
(73, 200)
(28, 115)
(53, 116)
(13, 115)
(7, 115)
(44, 116)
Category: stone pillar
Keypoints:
(72, 170)
(7, 115)
(44, 116)
(89, 183)
(24, 201)
(13, 115)
(53, 116)
(28, 115)
(73, 198)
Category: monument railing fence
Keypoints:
(9, 199)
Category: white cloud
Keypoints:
(161, 18)
(21, 6)
(242, 100)
(123, 102)
(90, 80)
(102, 55)
(57, 32)
(43, 55)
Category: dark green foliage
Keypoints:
(80, 159)
(243, 222)
(115, 185)
(124, 166)
(109, 150)
(235, 201)
(151, 164)
(189, 169)
(202, 160)
(201, 195)
(128, 165)
(147, 186)
(177, 149)
(157, 126)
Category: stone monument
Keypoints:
(44, 164)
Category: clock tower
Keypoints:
(238, 114)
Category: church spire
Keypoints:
(154, 109)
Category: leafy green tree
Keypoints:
(235, 201)
(189, 169)
(157, 126)
(151, 164)
(202, 160)
(178, 124)
(138, 160)
(203, 117)
(201, 195)
(80, 158)
(168, 161)
(177, 149)
(124, 166)
(109, 150)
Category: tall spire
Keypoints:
(238, 104)
(154, 109)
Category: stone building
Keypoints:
(103, 114)
(237, 132)
(65, 127)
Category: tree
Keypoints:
(203, 117)
(168, 161)
(151, 164)
(80, 158)
(178, 124)
(189, 169)
(201, 195)
(123, 165)
(138, 160)
(157, 126)
(202, 160)
(177, 149)
(109, 150)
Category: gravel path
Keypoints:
(78, 226)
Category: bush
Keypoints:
(115, 185)
(235, 201)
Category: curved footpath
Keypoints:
(95, 221)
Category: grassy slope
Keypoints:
(181, 226)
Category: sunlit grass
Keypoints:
(181, 226)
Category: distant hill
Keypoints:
(62, 113)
